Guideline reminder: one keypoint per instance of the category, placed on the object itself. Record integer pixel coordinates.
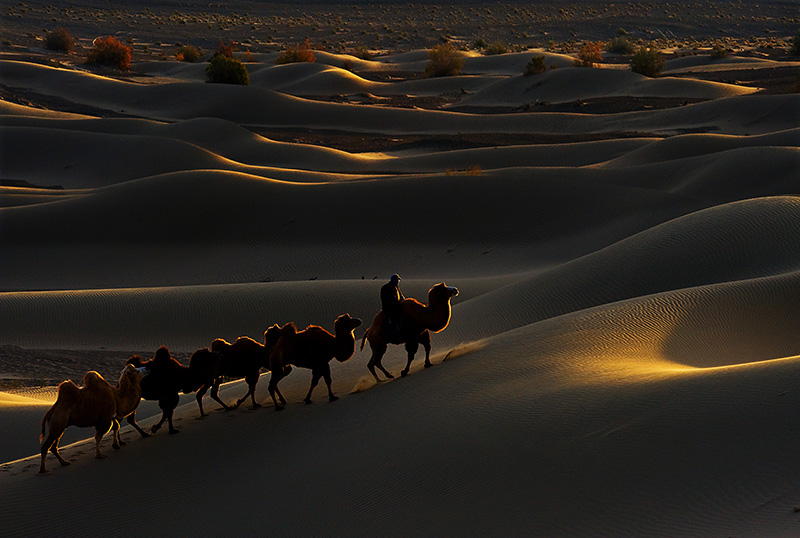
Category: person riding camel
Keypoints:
(390, 304)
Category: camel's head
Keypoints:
(272, 335)
(132, 374)
(345, 324)
(441, 292)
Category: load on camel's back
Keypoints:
(416, 322)
(95, 404)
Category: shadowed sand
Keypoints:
(622, 358)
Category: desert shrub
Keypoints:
(301, 53)
(188, 53)
(795, 48)
(479, 44)
(60, 40)
(226, 50)
(111, 52)
(647, 61)
(535, 66)
(590, 54)
(362, 53)
(498, 47)
(227, 70)
(444, 61)
(718, 51)
(621, 45)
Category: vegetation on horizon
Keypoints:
(794, 49)
(111, 52)
(647, 61)
(444, 61)
(188, 53)
(227, 70)
(591, 53)
(535, 66)
(59, 40)
(300, 53)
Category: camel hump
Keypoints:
(67, 390)
(219, 345)
(245, 341)
(93, 380)
(289, 329)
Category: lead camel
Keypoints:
(416, 322)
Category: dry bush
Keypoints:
(111, 52)
(60, 40)
(188, 53)
(226, 70)
(647, 61)
(498, 47)
(621, 45)
(444, 61)
(301, 53)
(591, 53)
(535, 66)
(226, 50)
(362, 53)
(718, 51)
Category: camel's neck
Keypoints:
(345, 345)
(437, 316)
(129, 391)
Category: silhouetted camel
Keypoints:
(94, 404)
(165, 380)
(312, 348)
(244, 358)
(127, 396)
(416, 320)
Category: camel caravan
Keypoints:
(163, 378)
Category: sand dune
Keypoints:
(573, 83)
(622, 358)
(254, 106)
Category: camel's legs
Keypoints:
(316, 375)
(327, 375)
(425, 340)
(378, 350)
(411, 346)
(215, 394)
(167, 408)
(51, 444)
(99, 431)
(117, 442)
(273, 389)
(132, 422)
(199, 396)
(251, 392)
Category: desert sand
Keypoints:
(623, 358)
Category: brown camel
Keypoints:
(244, 358)
(127, 395)
(416, 322)
(94, 404)
(312, 348)
(165, 380)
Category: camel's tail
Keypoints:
(45, 421)
(364, 339)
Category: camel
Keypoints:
(127, 395)
(165, 379)
(244, 358)
(312, 348)
(93, 404)
(416, 322)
